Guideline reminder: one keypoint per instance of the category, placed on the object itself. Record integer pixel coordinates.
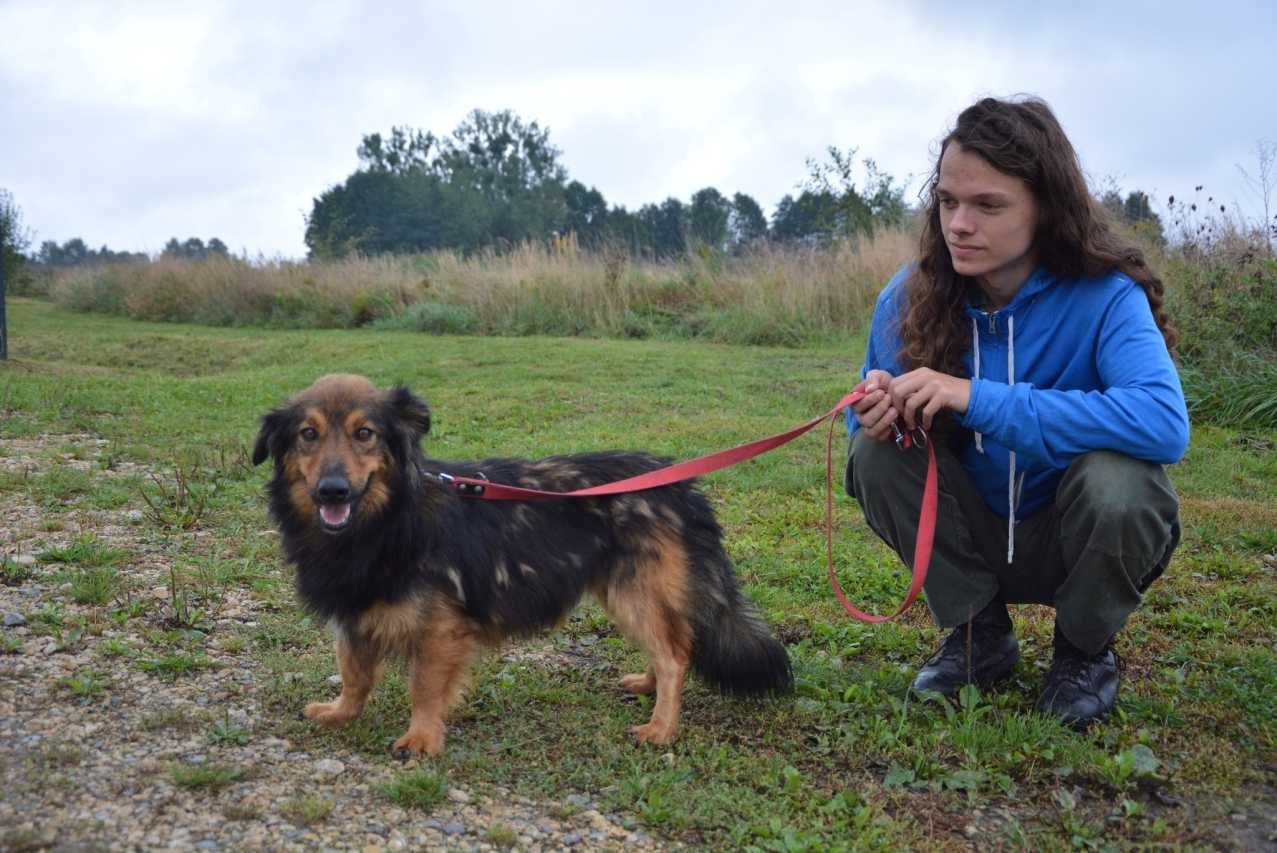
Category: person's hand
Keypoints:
(875, 410)
(920, 394)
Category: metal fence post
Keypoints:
(4, 331)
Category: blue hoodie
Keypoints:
(1066, 368)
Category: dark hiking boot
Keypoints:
(1079, 688)
(981, 652)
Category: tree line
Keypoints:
(498, 181)
(76, 253)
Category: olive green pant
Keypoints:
(1109, 533)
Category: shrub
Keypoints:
(437, 318)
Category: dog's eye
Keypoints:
(309, 433)
(363, 434)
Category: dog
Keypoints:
(401, 565)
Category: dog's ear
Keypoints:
(274, 436)
(411, 411)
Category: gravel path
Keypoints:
(94, 751)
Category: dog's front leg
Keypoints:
(437, 670)
(360, 667)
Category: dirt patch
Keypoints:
(107, 740)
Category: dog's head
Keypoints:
(340, 446)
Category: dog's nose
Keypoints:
(334, 489)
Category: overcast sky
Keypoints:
(129, 123)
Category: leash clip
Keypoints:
(907, 438)
(471, 490)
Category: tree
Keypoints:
(665, 227)
(587, 212)
(377, 212)
(193, 249)
(406, 150)
(811, 218)
(1135, 211)
(495, 180)
(13, 242)
(1264, 186)
(707, 218)
(513, 166)
(747, 222)
(75, 252)
(877, 201)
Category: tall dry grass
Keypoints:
(780, 295)
(229, 292)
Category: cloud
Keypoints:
(146, 121)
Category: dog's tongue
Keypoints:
(334, 514)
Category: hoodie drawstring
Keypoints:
(1013, 487)
(975, 341)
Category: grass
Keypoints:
(86, 550)
(775, 295)
(205, 777)
(417, 789)
(304, 811)
(851, 758)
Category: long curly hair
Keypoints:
(1074, 237)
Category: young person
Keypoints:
(1033, 341)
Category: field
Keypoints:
(155, 660)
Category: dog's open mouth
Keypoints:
(335, 517)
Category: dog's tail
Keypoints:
(732, 647)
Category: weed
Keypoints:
(94, 586)
(178, 506)
(9, 644)
(205, 777)
(112, 647)
(225, 733)
(419, 789)
(59, 486)
(84, 685)
(307, 810)
(171, 667)
(241, 811)
(502, 835)
(85, 550)
(184, 613)
(13, 573)
(174, 717)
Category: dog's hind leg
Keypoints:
(360, 665)
(639, 683)
(650, 608)
(437, 669)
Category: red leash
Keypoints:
(475, 488)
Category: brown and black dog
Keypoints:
(401, 565)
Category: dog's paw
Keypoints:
(640, 683)
(329, 713)
(654, 732)
(417, 742)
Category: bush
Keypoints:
(437, 318)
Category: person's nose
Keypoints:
(960, 222)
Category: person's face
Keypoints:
(988, 219)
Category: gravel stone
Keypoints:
(99, 771)
(329, 767)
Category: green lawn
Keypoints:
(850, 759)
